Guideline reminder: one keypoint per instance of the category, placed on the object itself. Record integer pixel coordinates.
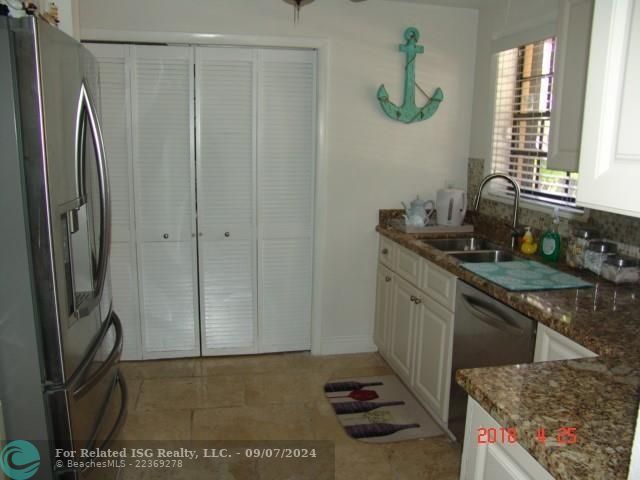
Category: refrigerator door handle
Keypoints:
(87, 116)
(122, 413)
(111, 360)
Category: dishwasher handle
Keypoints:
(490, 316)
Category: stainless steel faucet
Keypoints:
(516, 201)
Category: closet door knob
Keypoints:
(417, 301)
(227, 234)
(412, 298)
(387, 278)
(385, 251)
(165, 235)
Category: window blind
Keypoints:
(521, 125)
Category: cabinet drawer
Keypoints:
(439, 284)
(407, 265)
(386, 251)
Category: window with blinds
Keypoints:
(521, 125)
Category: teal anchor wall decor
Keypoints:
(409, 111)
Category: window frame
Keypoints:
(533, 199)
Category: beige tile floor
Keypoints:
(270, 397)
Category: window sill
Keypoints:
(539, 206)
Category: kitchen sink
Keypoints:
(461, 244)
(485, 256)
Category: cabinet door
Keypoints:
(610, 149)
(432, 364)
(225, 153)
(162, 98)
(569, 83)
(384, 287)
(115, 101)
(403, 308)
(497, 460)
(550, 345)
(286, 166)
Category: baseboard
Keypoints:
(348, 344)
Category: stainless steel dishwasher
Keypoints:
(486, 333)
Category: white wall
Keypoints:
(503, 21)
(373, 162)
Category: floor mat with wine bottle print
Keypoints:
(379, 410)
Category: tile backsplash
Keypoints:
(618, 228)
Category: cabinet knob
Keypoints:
(227, 234)
(417, 301)
(413, 298)
(385, 251)
(387, 278)
(165, 235)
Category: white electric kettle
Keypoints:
(451, 207)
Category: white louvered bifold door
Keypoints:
(162, 92)
(286, 167)
(115, 113)
(225, 155)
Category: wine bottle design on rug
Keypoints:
(359, 395)
(348, 386)
(343, 408)
(383, 412)
(376, 429)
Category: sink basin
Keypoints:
(461, 244)
(485, 256)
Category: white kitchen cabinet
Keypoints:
(413, 326)
(497, 460)
(432, 359)
(384, 286)
(551, 345)
(164, 170)
(569, 83)
(401, 324)
(610, 148)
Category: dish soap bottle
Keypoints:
(528, 246)
(550, 242)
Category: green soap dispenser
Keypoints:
(550, 241)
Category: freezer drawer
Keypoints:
(79, 407)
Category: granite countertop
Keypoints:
(597, 396)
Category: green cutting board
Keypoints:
(525, 275)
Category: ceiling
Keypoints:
(475, 4)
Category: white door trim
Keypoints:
(320, 44)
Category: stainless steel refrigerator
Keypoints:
(60, 341)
